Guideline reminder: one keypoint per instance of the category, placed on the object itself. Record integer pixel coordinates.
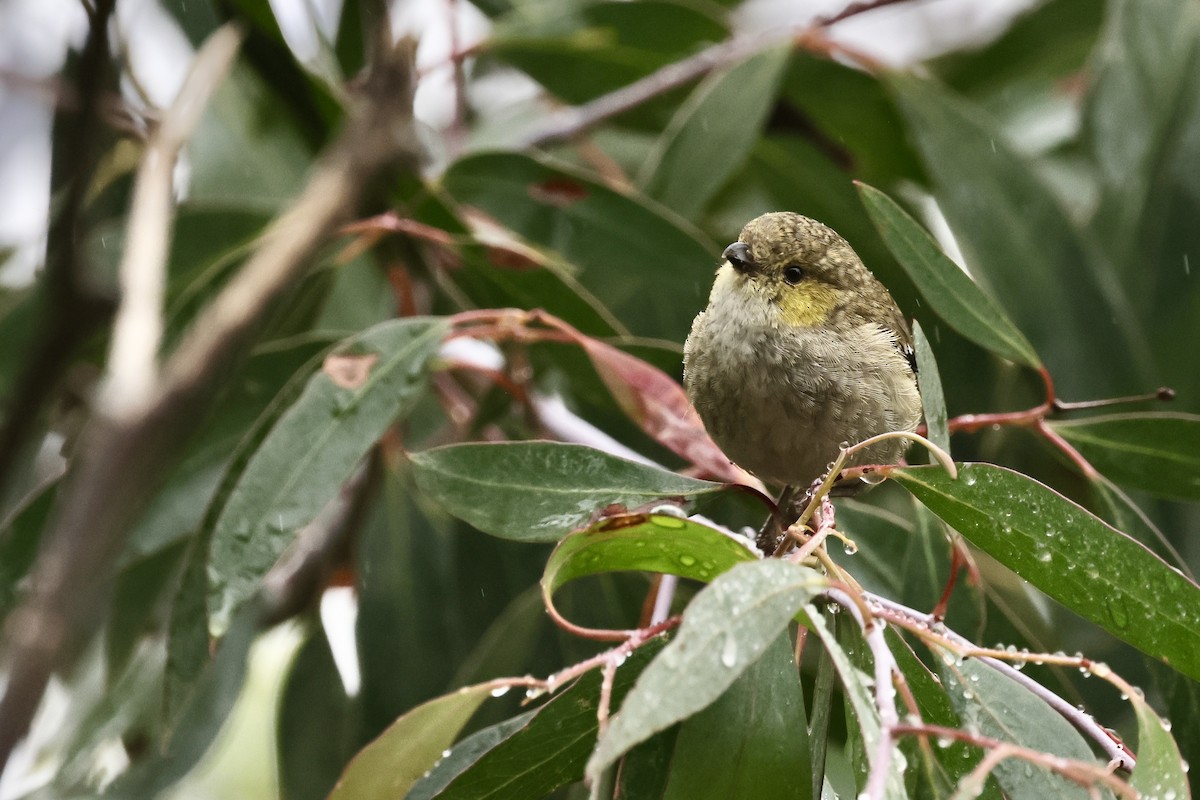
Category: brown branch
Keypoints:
(73, 310)
(121, 458)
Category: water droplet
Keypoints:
(445, 754)
(850, 547)
(969, 478)
(667, 521)
(687, 560)
(499, 691)
(1116, 611)
(729, 652)
(1045, 556)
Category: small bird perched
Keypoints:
(800, 351)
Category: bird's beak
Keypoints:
(739, 257)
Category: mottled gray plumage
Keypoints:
(800, 350)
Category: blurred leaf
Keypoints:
(539, 491)
(933, 401)
(464, 755)
(998, 707)
(1044, 46)
(646, 768)
(1142, 74)
(202, 717)
(725, 629)
(882, 538)
(506, 647)
(943, 284)
(1018, 241)
(712, 133)
(316, 726)
(1156, 452)
(197, 18)
(1160, 771)
(644, 264)
(848, 115)
(137, 602)
(752, 741)
(18, 323)
(20, 542)
(178, 509)
(365, 385)
(392, 764)
(545, 752)
(579, 51)
(1070, 555)
(661, 543)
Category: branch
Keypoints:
(138, 327)
(121, 459)
(72, 310)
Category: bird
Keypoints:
(800, 352)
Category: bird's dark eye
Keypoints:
(793, 275)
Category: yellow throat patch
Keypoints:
(808, 303)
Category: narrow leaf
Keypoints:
(645, 543)
(944, 285)
(1157, 453)
(933, 400)
(711, 134)
(752, 742)
(1001, 708)
(389, 766)
(1160, 770)
(725, 629)
(313, 448)
(1071, 555)
(539, 491)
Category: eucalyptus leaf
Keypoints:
(1071, 555)
(1157, 453)
(725, 629)
(944, 285)
(539, 491)
(367, 384)
(1160, 771)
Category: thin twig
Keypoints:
(138, 327)
(121, 461)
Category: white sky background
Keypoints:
(35, 36)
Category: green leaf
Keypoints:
(392, 764)
(999, 707)
(313, 449)
(1143, 73)
(752, 742)
(933, 401)
(317, 724)
(860, 702)
(1019, 242)
(661, 543)
(539, 491)
(725, 629)
(1071, 555)
(944, 285)
(712, 133)
(1157, 453)
(608, 239)
(1160, 771)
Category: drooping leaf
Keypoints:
(313, 448)
(1071, 555)
(1000, 708)
(950, 291)
(392, 764)
(539, 491)
(752, 741)
(1160, 771)
(712, 133)
(725, 629)
(661, 543)
(609, 238)
(1157, 453)
(1019, 242)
